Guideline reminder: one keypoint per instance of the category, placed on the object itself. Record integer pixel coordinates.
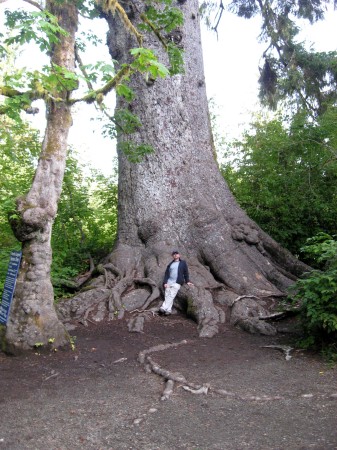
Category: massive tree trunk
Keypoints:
(33, 318)
(177, 198)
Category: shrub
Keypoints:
(316, 295)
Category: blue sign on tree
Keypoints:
(7, 295)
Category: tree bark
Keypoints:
(177, 198)
(33, 318)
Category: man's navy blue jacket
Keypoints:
(183, 276)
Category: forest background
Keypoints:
(281, 168)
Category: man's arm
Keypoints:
(186, 274)
(167, 274)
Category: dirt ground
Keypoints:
(100, 396)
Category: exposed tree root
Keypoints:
(202, 390)
(114, 303)
(85, 317)
(255, 297)
(168, 390)
(107, 297)
(146, 311)
(155, 291)
(158, 348)
(130, 279)
(276, 316)
(283, 348)
(172, 378)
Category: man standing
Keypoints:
(176, 274)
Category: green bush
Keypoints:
(86, 223)
(316, 295)
(283, 174)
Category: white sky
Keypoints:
(231, 64)
(231, 71)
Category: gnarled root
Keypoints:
(158, 348)
(151, 366)
(246, 311)
(201, 308)
(171, 378)
(168, 390)
(129, 280)
(117, 295)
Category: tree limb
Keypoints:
(154, 29)
(82, 69)
(27, 98)
(31, 2)
(220, 12)
(108, 87)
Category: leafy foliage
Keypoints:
(316, 294)
(166, 19)
(88, 8)
(175, 55)
(134, 152)
(146, 62)
(39, 27)
(19, 148)
(284, 176)
(86, 224)
(322, 250)
(124, 91)
(312, 10)
(22, 87)
(163, 21)
(126, 122)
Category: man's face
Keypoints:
(176, 256)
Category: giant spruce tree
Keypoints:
(174, 197)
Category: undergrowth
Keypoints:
(315, 295)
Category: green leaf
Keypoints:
(124, 91)
(135, 153)
(176, 59)
(166, 19)
(146, 62)
(40, 27)
(126, 122)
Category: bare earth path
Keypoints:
(100, 396)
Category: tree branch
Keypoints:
(219, 13)
(82, 69)
(27, 98)
(26, 105)
(31, 2)
(98, 94)
(154, 29)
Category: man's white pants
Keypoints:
(170, 294)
